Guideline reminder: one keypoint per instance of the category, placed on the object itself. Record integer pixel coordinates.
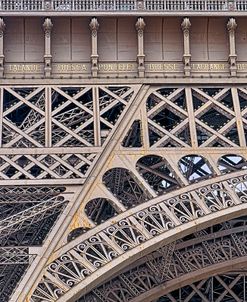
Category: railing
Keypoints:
(123, 5)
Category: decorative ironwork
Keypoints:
(153, 220)
(200, 250)
(151, 166)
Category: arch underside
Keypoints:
(152, 166)
(208, 265)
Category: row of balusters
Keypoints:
(122, 5)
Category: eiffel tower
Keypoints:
(123, 128)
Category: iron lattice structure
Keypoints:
(123, 192)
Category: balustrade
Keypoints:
(123, 5)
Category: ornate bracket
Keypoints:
(186, 56)
(140, 25)
(231, 27)
(47, 26)
(94, 26)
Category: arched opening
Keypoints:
(231, 163)
(157, 173)
(99, 210)
(195, 168)
(123, 185)
(76, 233)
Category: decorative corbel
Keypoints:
(2, 29)
(47, 26)
(94, 26)
(140, 25)
(231, 27)
(186, 56)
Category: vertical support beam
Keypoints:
(144, 127)
(2, 29)
(238, 115)
(140, 25)
(96, 116)
(48, 129)
(47, 56)
(191, 115)
(94, 26)
(186, 56)
(231, 27)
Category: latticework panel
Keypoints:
(50, 138)
(28, 213)
(221, 288)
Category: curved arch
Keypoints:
(138, 229)
(219, 249)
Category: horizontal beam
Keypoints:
(115, 80)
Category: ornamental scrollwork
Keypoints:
(96, 251)
(68, 270)
(173, 261)
(154, 220)
(120, 237)
(125, 235)
(216, 197)
(185, 208)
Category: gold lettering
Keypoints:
(217, 67)
(242, 66)
(64, 68)
(209, 67)
(161, 67)
(169, 67)
(25, 68)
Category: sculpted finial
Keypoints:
(2, 26)
(231, 24)
(140, 24)
(94, 26)
(47, 26)
(186, 24)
